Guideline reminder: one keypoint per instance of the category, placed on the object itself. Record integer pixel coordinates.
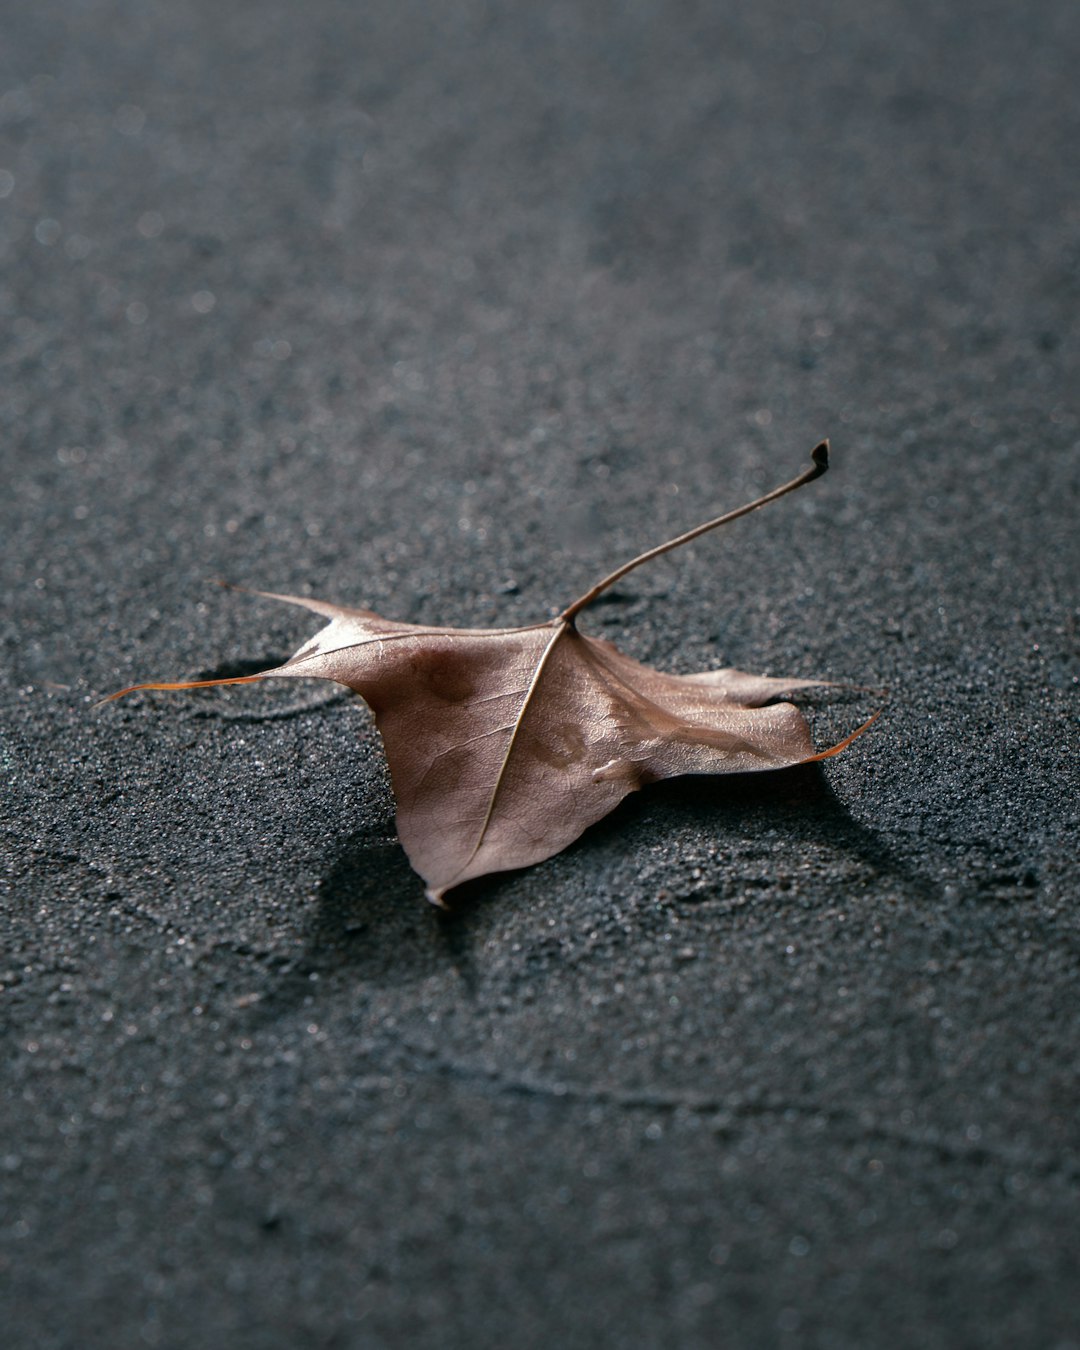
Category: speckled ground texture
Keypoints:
(446, 310)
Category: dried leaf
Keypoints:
(505, 744)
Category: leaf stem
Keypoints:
(820, 456)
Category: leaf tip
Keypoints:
(181, 684)
(435, 898)
(820, 456)
(840, 746)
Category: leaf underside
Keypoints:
(504, 745)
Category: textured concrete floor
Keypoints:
(446, 310)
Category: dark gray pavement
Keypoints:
(446, 309)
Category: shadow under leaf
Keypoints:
(798, 802)
(371, 921)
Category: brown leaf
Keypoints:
(505, 744)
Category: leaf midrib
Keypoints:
(560, 626)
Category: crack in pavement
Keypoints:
(727, 1112)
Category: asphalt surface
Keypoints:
(446, 310)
